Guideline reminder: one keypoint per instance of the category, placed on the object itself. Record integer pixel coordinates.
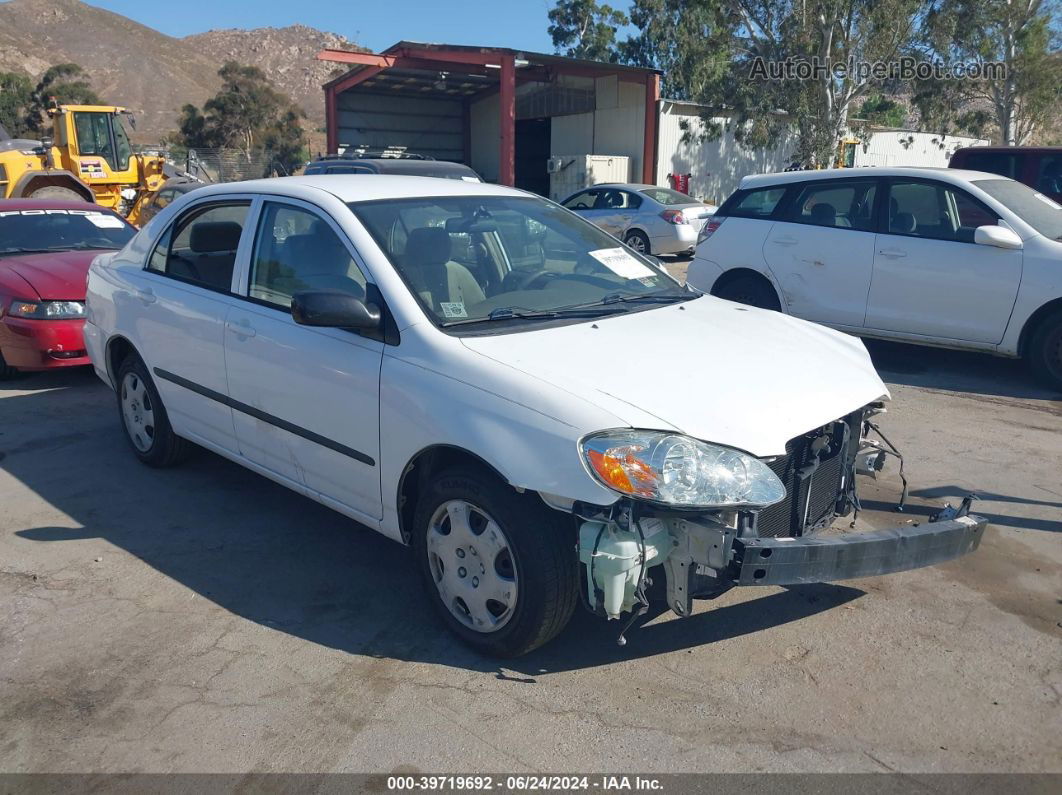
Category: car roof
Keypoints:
(48, 204)
(397, 165)
(953, 175)
(362, 187)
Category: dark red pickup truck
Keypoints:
(1039, 167)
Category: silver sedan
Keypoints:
(648, 218)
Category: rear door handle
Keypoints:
(241, 329)
(146, 296)
(892, 253)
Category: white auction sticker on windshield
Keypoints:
(453, 309)
(105, 221)
(622, 263)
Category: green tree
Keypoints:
(585, 29)
(1015, 33)
(15, 92)
(66, 83)
(716, 52)
(248, 115)
(879, 109)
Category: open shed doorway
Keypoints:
(531, 151)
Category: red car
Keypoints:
(45, 251)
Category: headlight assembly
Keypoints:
(676, 470)
(48, 310)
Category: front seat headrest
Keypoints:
(903, 223)
(211, 237)
(428, 245)
(824, 214)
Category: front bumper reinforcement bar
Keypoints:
(814, 558)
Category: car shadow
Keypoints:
(260, 551)
(954, 495)
(961, 371)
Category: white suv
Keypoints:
(959, 259)
(485, 376)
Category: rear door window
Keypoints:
(843, 204)
(200, 247)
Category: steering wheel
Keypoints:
(524, 280)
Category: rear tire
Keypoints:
(523, 551)
(57, 192)
(749, 290)
(637, 241)
(147, 428)
(1044, 354)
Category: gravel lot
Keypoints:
(205, 619)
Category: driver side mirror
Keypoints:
(998, 236)
(333, 309)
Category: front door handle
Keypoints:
(241, 329)
(892, 253)
(784, 241)
(146, 296)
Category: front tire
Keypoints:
(1045, 350)
(147, 428)
(57, 192)
(500, 567)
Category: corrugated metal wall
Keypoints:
(427, 125)
(616, 127)
(904, 148)
(716, 166)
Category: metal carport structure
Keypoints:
(444, 95)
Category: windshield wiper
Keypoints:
(516, 313)
(650, 298)
(6, 251)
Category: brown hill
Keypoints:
(154, 74)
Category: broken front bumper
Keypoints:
(791, 561)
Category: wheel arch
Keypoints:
(118, 348)
(423, 465)
(1033, 323)
(59, 178)
(737, 273)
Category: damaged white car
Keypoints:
(543, 415)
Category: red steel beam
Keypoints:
(507, 122)
(652, 125)
(331, 121)
(363, 58)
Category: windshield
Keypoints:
(472, 259)
(1035, 209)
(668, 196)
(35, 231)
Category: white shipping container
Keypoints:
(569, 173)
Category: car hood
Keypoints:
(735, 375)
(55, 275)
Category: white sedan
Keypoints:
(480, 374)
(958, 259)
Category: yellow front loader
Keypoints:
(88, 158)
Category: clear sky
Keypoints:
(519, 24)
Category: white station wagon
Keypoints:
(943, 257)
(483, 375)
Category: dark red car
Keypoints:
(45, 251)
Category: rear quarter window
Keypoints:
(754, 203)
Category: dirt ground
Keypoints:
(206, 619)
